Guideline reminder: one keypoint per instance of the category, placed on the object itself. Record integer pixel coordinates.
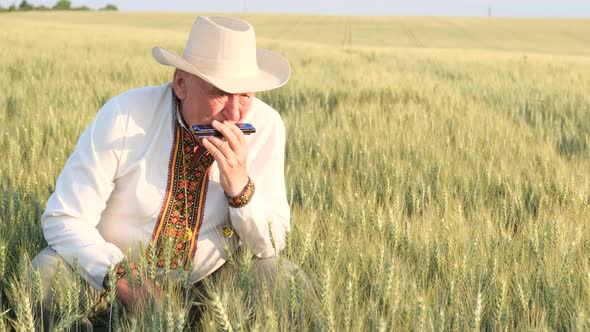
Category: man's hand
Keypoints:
(231, 154)
(136, 298)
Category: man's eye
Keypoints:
(220, 95)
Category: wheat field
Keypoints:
(438, 169)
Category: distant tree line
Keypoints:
(59, 5)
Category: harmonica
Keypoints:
(208, 130)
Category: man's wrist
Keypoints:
(120, 272)
(242, 199)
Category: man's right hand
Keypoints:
(136, 298)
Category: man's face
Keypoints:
(201, 102)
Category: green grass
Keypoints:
(438, 169)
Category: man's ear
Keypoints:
(179, 84)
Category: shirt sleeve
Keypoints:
(82, 190)
(268, 211)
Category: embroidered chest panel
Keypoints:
(181, 214)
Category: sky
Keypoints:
(498, 8)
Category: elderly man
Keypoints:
(139, 174)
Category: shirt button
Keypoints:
(227, 231)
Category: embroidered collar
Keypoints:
(182, 211)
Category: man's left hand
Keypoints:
(231, 154)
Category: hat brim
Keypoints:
(273, 71)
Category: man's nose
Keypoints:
(232, 108)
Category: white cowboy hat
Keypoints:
(222, 51)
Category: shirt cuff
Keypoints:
(252, 226)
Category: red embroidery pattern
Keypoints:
(182, 212)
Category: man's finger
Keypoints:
(222, 146)
(239, 134)
(225, 130)
(215, 151)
